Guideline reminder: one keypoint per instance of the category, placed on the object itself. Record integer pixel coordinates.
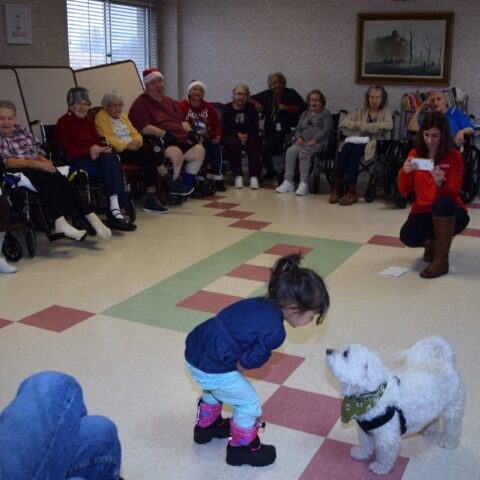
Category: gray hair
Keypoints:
(241, 85)
(111, 96)
(280, 75)
(8, 105)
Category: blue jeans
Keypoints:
(46, 434)
(232, 388)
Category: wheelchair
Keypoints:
(322, 162)
(90, 188)
(471, 172)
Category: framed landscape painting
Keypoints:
(404, 48)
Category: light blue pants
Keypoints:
(46, 434)
(231, 388)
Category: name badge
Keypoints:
(278, 127)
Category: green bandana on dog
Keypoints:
(357, 405)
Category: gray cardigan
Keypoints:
(314, 127)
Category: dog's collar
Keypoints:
(357, 405)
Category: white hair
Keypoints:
(111, 96)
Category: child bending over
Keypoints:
(242, 337)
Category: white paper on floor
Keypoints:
(394, 271)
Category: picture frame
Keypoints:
(404, 48)
(18, 24)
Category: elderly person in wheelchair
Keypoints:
(153, 113)
(85, 149)
(460, 125)
(113, 125)
(20, 153)
(311, 134)
(362, 129)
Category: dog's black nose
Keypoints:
(329, 351)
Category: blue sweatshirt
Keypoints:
(244, 332)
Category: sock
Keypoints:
(115, 207)
(5, 267)
(62, 226)
(100, 228)
(188, 179)
(217, 177)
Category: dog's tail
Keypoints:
(430, 348)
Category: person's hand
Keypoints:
(311, 143)
(133, 145)
(408, 166)
(459, 139)
(96, 150)
(258, 107)
(438, 175)
(299, 141)
(45, 164)
(282, 106)
(216, 140)
(243, 137)
(426, 105)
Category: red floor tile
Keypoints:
(277, 369)
(386, 241)
(333, 461)
(284, 249)
(210, 302)
(234, 214)
(221, 205)
(56, 318)
(250, 224)
(4, 323)
(471, 232)
(305, 411)
(251, 272)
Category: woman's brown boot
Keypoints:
(350, 197)
(443, 234)
(429, 250)
(337, 191)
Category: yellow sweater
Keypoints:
(104, 126)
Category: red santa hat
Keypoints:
(150, 74)
(196, 83)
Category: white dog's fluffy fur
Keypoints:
(428, 387)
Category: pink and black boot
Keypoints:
(245, 448)
(210, 423)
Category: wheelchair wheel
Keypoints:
(11, 248)
(471, 175)
(30, 240)
(207, 188)
(370, 193)
(330, 169)
(131, 210)
(393, 158)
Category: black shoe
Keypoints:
(177, 188)
(220, 185)
(220, 428)
(270, 174)
(197, 194)
(119, 223)
(254, 454)
(152, 205)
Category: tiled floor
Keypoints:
(115, 315)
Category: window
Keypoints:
(106, 31)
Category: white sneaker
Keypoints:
(5, 267)
(285, 187)
(238, 182)
(302, 189)
(254, 183)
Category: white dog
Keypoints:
(387, 404)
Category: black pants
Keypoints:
(147, 159)
(419, 226)
(56, 193)
(4, 213)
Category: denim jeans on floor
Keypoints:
(46, 434)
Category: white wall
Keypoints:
(225, 42)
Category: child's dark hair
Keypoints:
(291, 284)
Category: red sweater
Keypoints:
(205, 114)
(78, 135)
(424, 186)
